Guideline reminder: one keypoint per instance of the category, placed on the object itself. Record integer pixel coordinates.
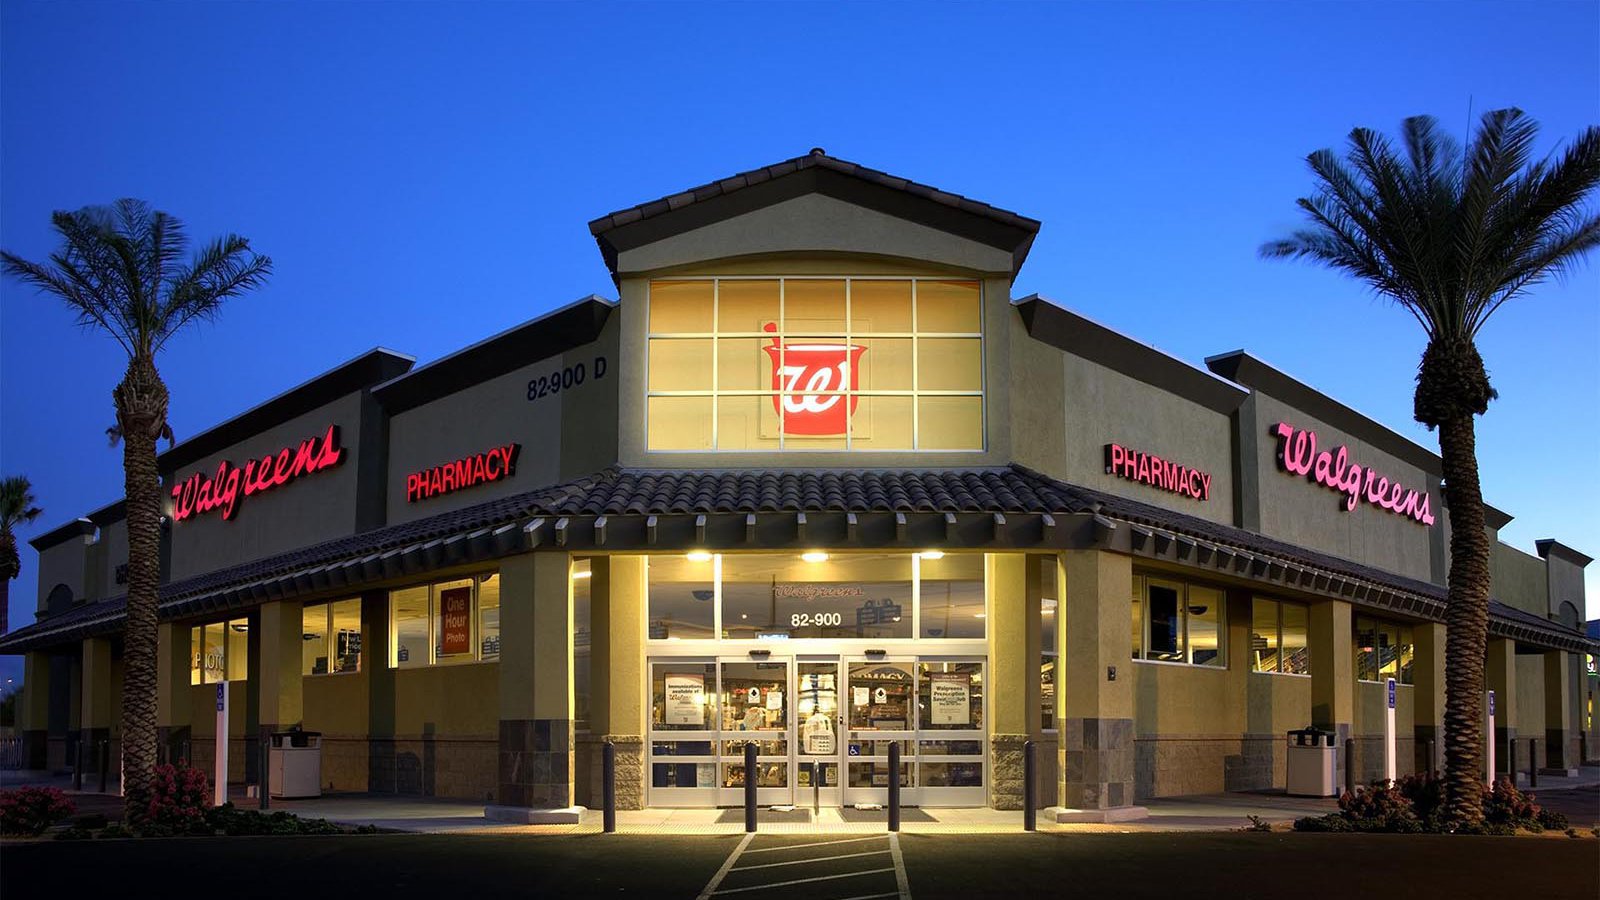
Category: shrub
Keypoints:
(31, 810)
(178, 801)
(1415, 803)
(231, 820)
(1329, 822)
(1381, 806)
(1257, 824)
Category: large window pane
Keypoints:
(950, 423)
(452, 620)
(682, 697)
(755, 696)
(215, 636)
(678, 307)
(409, 613)
(680, 423)
(882, 697)
(743, 364)
(1206, 637)
(582, 639)
(489, 617)
(1365, 649)
(747, 422)
(746, 306)
(949, 364)
(682, 591)
(1166, 622)
(813, 305)
(680, 364)
(1296, 652)
(950, 696)
(950, 306)
(953, 596)
(314, 640)
(882, 423)
(829, 596)
(1264, 643)
(1138, 617)
(197, 656)
(345, 637)
(238, 649)
(885, 364)
(1408, 652)
(877, 307)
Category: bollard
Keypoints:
(608, 778)
(1030, 788)
(77, 765)
(263, 775)
(894, 786)
(1349, 765)
(1433, 771)
(750, 787)
(1533, 762)
(105, 763)
(1511, 761)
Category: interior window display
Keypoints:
(1178, 622)
(442, 623)
(219, 652)
(816, 595)
(331, 638)
(882, 697)
(952, 594)
(1048, 604)
(682, 596)
(1383, 650)
(814, 363)
(755, 702)
(818, 715)
(1278, 640)
(683, 702)
(582, 641)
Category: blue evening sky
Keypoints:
(422, 174)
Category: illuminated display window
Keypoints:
(446, 622)
(219, 652)
(1175, 622)
(1279, 643)
(330, 638)
(1383, 650)
(796, 364)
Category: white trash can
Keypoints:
(1313, 764)
(296, 764)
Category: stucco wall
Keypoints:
(1530, 697)
(563, 435)
(108, 553)
(1518, 579)
(310, 509)
(65, 563)
(1295, 509)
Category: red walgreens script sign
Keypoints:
(229, 485)
(810, 377)
(455, 609)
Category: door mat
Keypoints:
(795, 816)
(907, 814)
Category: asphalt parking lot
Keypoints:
(792, 866)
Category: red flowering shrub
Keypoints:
(31, 810)
(179, 799)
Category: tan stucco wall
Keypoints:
(65, 563)
(1519, 579)
(1530, 697)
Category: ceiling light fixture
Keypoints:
(814, 556)
(699, 556)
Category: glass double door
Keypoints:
(822, 726)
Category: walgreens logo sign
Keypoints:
(810, 377)
(1333, 469)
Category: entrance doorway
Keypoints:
(822, 725)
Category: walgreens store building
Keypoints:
(817, 481)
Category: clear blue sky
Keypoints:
(422, 175)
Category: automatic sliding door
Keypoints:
(881, 711)
(951, 741)
(683, 735)
(755, 708)
(818, 725)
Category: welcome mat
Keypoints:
(907, 814)
(794, 816)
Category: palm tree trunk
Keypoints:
(141, 401)
(1466, 621)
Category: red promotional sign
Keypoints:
(1297, 455)
(224, 489)
(455, 609)
(491, 465)
(810, 378)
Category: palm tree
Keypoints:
(16, 507)
(1449, 237)
(121, 269)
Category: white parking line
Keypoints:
(727, 864)
(876, 837)
(902, 884)
(778, 884)
(812, 859)
(900, 879)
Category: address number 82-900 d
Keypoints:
(801, 620)
(564, 379)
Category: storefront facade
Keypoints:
(816, 481)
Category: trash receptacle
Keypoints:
(296, 764)
(1313, 764)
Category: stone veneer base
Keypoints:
(1098, 816)
(525, 815)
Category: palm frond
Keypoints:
(223, 268)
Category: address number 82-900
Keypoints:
(564, 379)
(801, 620)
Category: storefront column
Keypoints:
(536, 739)
(1500, 676)
(95, 704)
(1560, 737)
(616, 667)
(1012, 692)
(1333, 679)
(1428, 694)
(1096, 729)
(33, 714)
(172, 688)
(280, 702)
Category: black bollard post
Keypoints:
(105, 763)
(77, 764)
(1349, 765)
(1030, 788)
(894, 786)
(1511, 761)
(608, 776)
(263, 776)
(750, 787)
(1533, 762)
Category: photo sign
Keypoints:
(455, 608)
(950, 698)
(685, 699)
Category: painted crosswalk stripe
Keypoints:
(876, 837)
(778, 884)
(810, 859)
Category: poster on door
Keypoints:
(455, 609)
(685, 700)
(950, 698)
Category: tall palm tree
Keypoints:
(121, 269)
(1449, 237)
(16, 507)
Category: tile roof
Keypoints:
(817, 158)
(642, 492)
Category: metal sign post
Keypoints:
(1388, 732)
(1489, 707)
(219, 788)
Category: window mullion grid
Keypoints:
(716, 382)
(783, 351)
(849, 394)
(916, 380)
